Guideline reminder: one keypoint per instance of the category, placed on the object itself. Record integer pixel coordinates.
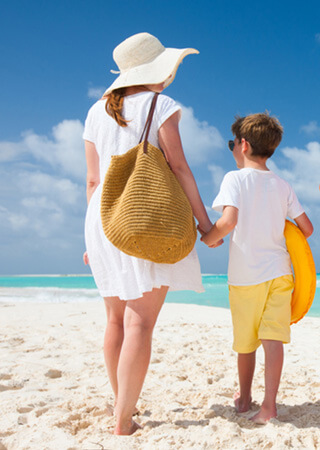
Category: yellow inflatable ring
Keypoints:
(304, 271)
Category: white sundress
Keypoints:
(117, 274)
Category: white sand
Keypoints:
(186, 401)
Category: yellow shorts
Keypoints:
(261, 311)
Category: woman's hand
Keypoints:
(93, 176)
(86, 258)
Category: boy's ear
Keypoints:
(244, 145)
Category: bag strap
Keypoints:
(148, 123)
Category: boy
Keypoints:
(255, 203)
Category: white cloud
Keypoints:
(10, 151)
(17, 221)
(217, 174)
(96, 92)
(62, 190)
(38, 205)
(302, 172)
(63, 150)
(201, 141)
(311, 129)
(42, 197)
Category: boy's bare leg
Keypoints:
(273, 368)
(246, 366)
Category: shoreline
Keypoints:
(34, 295)
(55, 393)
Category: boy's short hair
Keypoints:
(263, 132)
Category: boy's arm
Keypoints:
(222, 227)
(304, 224)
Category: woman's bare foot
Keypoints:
(264, 415)
(131, 428)
(136, 412)
(241, 405)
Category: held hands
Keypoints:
(216, 244)
(204, 239)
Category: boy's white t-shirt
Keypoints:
(257, 250)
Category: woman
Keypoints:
(134, 289)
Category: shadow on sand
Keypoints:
(306, 415)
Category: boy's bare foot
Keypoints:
(264, 415)
(241, 405)
(131, 428)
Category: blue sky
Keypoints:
(56, 59)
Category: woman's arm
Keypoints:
(304, 224)
(93, 174)
(93, 177)
(170, 142)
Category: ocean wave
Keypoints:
(48, 295)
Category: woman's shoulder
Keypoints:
(167, 105)
(98, 105)
(96, 113)
(163, 98)
(146, 95)
(144, 98)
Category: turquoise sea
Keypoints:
(73, 288)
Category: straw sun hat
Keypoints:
(142, 59)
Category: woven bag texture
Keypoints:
(144, 210)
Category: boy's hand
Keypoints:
(202, 239)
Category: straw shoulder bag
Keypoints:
(144, 210)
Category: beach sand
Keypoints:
(55, 394)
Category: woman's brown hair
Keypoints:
(114, 105)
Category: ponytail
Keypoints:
(114, 106)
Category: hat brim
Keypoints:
(154, 72)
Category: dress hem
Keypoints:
(171, 289)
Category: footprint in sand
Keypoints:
(12, 387)
(41, 411)
(228, 394)
(74, 424)
(22, 420)
(16, 341)
(53, 373)
(25, 409)
(5, 376)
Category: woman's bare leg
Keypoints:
(139, 321)
(113, 338)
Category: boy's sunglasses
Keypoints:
(231, 145)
